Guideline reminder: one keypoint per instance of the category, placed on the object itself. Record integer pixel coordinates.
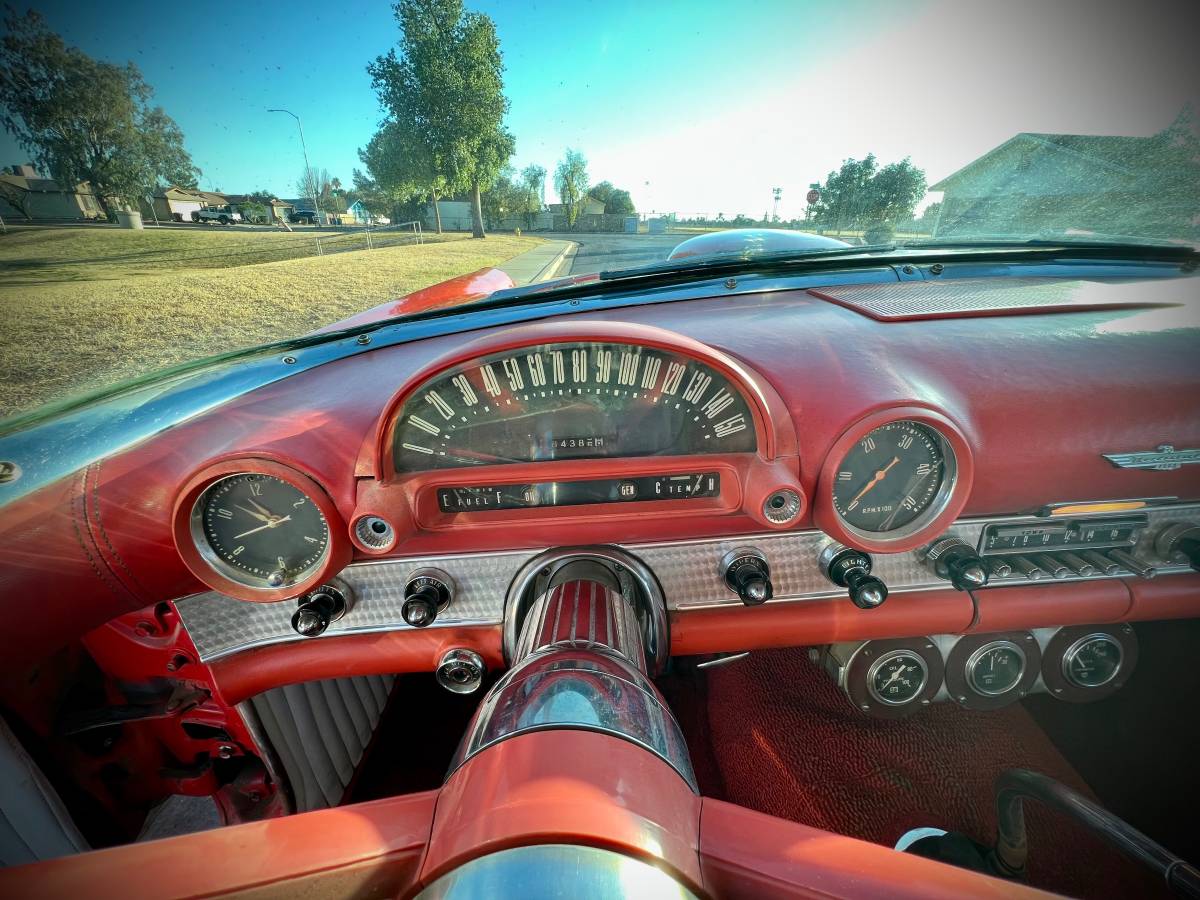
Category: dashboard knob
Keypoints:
(747, 573)
(317, 610)
(427, 593)
(851, 569)
(957, 562)
(1180, 540)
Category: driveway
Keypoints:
(604, 252)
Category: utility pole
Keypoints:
(776, 193)
(308, 172)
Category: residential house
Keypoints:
(174, 204)
(1056, 183)
(357, 214)
(277, 210)
(26, 195)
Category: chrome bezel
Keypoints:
(1077, 646)
(240, 576)
(973, 661)
(936, 506)
(886, 657)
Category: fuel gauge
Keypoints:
(996, 668)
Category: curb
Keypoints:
(551, 269)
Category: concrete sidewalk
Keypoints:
(539, 264)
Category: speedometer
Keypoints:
(571, 401)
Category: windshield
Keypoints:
(166, 196)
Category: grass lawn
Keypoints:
(85, 307)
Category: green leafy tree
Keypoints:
(894, 192)
(85, 120)
(442, 87)
(616, 201)
(400, 167)
(505, 198)
(844, 194)
(571, 183)
(533, 183)
(862, 195)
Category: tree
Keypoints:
(844, 193)
(619, 204)
(533, 182)
(571, 183)
(442, 88)
(85, 120)
(401, 167)
(894, 192)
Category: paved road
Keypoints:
(604, 252)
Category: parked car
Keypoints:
(224, 215)
(303, 217)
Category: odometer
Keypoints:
(571, 401)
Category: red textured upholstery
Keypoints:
(788, 743)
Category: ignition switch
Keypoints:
(851, 569)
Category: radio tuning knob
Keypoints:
(1179, 540)
(851, 569)
(427, 593)
(957, 562)
(747, 573)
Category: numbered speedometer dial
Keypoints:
(259, 530)
(894, 479)
(571, 401)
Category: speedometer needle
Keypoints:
(270, 524)
(879, 476)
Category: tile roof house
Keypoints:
(1054, 183)
(26, 195)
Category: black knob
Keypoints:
(851, 569)
(317, 610)
(957, 562)
(747, 574)
(421, 608)
(427, 593)
(1180, 541)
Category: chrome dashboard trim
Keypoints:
(686, 572)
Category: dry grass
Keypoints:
(111, 304)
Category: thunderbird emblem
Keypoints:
(1165, 459)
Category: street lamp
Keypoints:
(308, 172)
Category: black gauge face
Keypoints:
(891, 477)
(996, 669)
(1092, 661)
(260, 530)
(571, 401)
(898, 677)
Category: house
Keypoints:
(1055, 183)
(26, 195)
(174, 204)
(357, 213)
(277, 210)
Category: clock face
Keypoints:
(260, 530)
(891, 478)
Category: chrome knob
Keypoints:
(428, 592)
(851, 569)
(1179, 541)
(747, 573)
(1132, 563)
(461, 671)
(317, 609)
(957, 562)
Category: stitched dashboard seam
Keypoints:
(95, 514)
(78, 501)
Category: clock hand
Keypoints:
(258, 516)
(262, 509)
(270, 524)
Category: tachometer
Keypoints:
(894, 478)
(571, 401)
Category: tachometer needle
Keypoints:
(270, 524)
(879, 476)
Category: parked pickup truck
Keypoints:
(224, 215)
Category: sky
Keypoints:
(694, 107)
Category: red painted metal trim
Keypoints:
(337, 556)
(370, 849)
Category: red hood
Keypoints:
(462, 289)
